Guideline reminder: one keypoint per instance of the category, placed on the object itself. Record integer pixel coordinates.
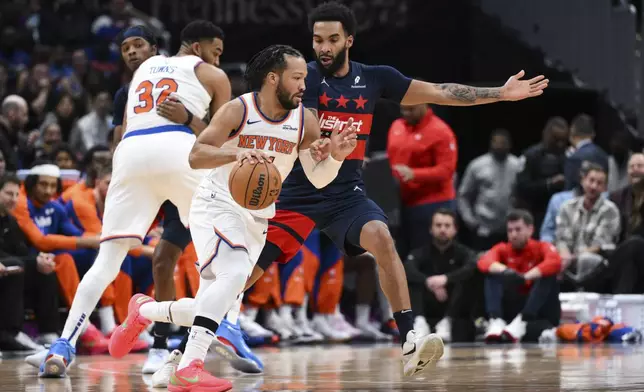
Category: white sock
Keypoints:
(233, 313)
(300, 312)
(251, 313)
(199, 342)
(362, 314)
(181, 312)
(103, 272)
(286, 311)
(106, 316)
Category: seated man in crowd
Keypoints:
(586, 225)
(49, 229)
(442, 283)
(24, 280)
(623, 197)
(624, 272)
(521, 281)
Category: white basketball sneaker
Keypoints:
(420, 352)
(157, 357)
(161, 378)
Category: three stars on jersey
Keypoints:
(342, 101)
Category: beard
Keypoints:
(285, 98)
(336, 64)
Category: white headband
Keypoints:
(45, 170)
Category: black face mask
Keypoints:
(500, 155)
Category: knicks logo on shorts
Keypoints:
(260, 143)
(362, 122)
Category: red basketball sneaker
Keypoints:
(127, 334)
(195, 378)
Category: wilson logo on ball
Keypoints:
(257, 192)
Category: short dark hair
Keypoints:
(555, 122)
(582, 125)
(9, 178)
(334, 11)
(66, 148)
(270, 59)
(520, 214)
(200, 30)
(501, 132)
(588, 166)
(104, 171)
(445, 211)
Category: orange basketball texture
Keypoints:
(255, 187)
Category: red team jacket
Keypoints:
(430, 149)
(542, 255)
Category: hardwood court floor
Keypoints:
(374, 368)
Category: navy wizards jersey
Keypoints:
(337, 99)
(120, 100)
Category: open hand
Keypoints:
(343, 143)
(516, 89)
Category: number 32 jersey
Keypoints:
(154, 81)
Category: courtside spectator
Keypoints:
(623, 197)
(542, 174)
(422, 153)
(521, 281)
(582, 133)
(587, 224)
(486, 189)
(24, 280)
(443, 282)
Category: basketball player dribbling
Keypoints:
(339, 89)
(150, 166)
(137, 45)
(267, 124)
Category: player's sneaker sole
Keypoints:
(238, 363)
(429, 349)
(54, 367)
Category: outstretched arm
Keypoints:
(454, 94)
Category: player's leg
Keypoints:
(368, 231)
(187, 185)
(228, 241)
(174, 240)
(130, 208)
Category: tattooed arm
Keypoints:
(461, 95)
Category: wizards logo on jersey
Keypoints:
(362, 122)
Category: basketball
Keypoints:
(255, 186)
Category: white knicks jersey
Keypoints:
(154, 80)
(278, 139)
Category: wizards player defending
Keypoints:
(337, 89)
